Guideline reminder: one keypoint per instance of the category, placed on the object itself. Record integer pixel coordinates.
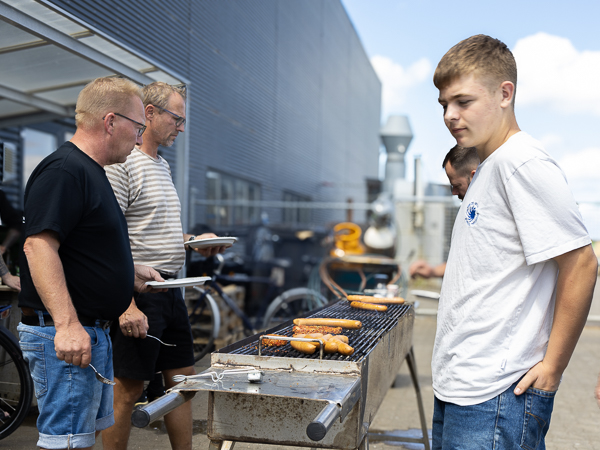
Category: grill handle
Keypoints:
(142, 417)
(318, 428)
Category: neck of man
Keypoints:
(507, 128)
(91, 145)
(149, 147)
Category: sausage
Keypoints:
(378, 300)
(305, 347)
(341, 337)
(331, 346)
(335, 344)
(328, 322)
(344, 349)
(370, 306)
(274, 342)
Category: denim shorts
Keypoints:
(505, 422)
(73, 404)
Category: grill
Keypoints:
(291, 398)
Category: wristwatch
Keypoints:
(193, 238)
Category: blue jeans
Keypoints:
(73, 404)
(505, 422)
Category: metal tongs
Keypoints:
(217, 376)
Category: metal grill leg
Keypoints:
(382, 436)
(412, 367)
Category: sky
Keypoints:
(557, 49)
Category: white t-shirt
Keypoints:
(144, 189)
(497, 300)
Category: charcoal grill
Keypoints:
(319, 401)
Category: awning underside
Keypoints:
(46, 58)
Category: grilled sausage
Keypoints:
(305, 347)
(370, 306)
(378, 300)
(331, 346)
(341, 337)
(328, 322)
(305, 329)
(344, 349)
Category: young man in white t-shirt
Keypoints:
(520, 273)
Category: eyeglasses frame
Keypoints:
(178, 119)
(140, 131)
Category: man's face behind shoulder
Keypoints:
(165, 127)
(472, 110)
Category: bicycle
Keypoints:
(205, 317)
(16, 385)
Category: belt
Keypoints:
(27, 318)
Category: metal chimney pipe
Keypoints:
(396, 136)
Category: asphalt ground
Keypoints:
(575, 421)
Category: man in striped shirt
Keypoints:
(144, 189)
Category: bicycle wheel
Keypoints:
(205, 320)
(291, 304)
(16, 385)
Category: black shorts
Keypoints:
(140, 359)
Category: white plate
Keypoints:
(179, 282)
(227, 241)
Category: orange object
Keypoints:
(347, 240)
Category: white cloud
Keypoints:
(583, 164)
(553, 72)
(397, 81)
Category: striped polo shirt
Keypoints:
(144, 189)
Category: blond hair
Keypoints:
(102, 96)
(480, 55)
(158, 93)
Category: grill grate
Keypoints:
(374, 325)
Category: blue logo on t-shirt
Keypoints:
(471, 214)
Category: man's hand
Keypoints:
(540, 377)
(12, 281)
(73, 345)
(209, 251)
(423, 269)
(133, 322)
(420, 269)
(144, 274)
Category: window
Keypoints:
(295, 215)
(36, 146)
(225, 188)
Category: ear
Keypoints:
(507, 89)
(109, 123)
(472, 175)
(149, 111)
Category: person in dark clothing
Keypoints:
(77, 272)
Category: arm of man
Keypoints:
(7, 278)
(208, 251)
(423, 269)
(72, 342)
(577, 273)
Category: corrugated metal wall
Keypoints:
(282, 92)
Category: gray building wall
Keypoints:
(282, 92)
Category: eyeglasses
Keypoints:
(178, 119)
(140, 131)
